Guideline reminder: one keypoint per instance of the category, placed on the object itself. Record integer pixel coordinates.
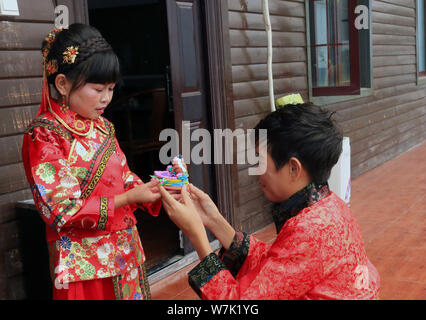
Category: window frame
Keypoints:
(420, 75)
(354, 87)
(330, 95)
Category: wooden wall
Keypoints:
(248, 45)
(380, 126)
(20, 95)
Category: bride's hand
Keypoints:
(147, 192)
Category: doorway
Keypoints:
(138, 32)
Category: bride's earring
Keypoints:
(64, 107)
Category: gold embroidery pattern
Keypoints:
(118, 290)
(103, 217)
(144, 284)
(85, 181)
(61, 121)
(129, 286)
(79, 125)
(51, 126)
(98, 174)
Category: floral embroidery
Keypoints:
(318, 254)
(45, 211)
(123, 245)
(69, 182)
(78, 250)
(65, 243)
(104, 251)
(87, 271)
(46, 172)
(41, 189)
(120, 261)
(132, 275)
(132, 285)
(79, 173)
(234, 257)
(98, 257)
(83, 153)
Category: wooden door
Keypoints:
(188, 84)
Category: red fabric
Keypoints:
(132, 285)
(318, 254)
(98, 289)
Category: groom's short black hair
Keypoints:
(306, 132)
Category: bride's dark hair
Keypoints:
(96, 62)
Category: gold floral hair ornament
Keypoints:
(70, 54)
(49, 41)
(51, 67)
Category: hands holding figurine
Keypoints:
(148, 192)
(196, 210)
(190, 209)
(186, 218)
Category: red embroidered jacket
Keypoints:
(75, 167)
(318, 254)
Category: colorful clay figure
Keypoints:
(169, 179)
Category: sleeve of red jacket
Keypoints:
(238, 253)
(131, 180)
(287, 270)
(56, 189)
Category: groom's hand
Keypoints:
(186, 218)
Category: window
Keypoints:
(9, 8)
(421, 36)
(339, 53)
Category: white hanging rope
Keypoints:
(268, 28)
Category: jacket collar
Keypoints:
(74, 122)
(304, 198)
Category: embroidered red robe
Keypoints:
(318, 254)
(75, 167)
